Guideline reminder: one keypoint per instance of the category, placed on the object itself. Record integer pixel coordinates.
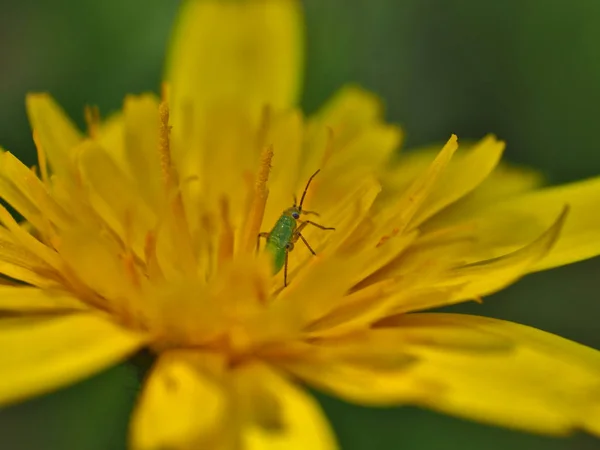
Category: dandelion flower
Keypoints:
(141, 233)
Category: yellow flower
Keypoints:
(142, 233)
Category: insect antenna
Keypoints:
(306, 189)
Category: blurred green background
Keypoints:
(527, 70)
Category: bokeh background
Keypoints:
(527, 70)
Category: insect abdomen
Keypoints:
(278, 239)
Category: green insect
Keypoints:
(287, 231)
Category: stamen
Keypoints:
(92, 119)
(41, 154)
(164, 145)
(265, 168)
(226, 239)
(152, 267)
(204, 243)
(129, 258)
(259, 200)
(181, 232)
(131, 269)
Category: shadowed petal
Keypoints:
(283, 416)
(545, 383)
(183, 406)
(193, 401)
(479, 368)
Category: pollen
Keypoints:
(258, 202)
(164, 145)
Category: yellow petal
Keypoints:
(55, 131)
(348, 138)
(248, 52)
(506, 181)
(462, 176)
(94, 259)
(485, 277)
(141, 134)
(183, 406)
(358, 373)
(503, 227)
(115, 198)
(402, 213)
(285, 134)
(111, 136)
(20, 264)
(282, 416)
(350, 111)
(541, 383)
(31, 187)
(47, 354)
(28, 299)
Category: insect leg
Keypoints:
(263, 234)
(317, 225)
(305, 243)
(298, 235)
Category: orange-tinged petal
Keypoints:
(28, 299)
(281, 416)
(541, 382)
(56, 133)
(249, 52)
(183, 406)
(41, 356)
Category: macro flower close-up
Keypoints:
(253, 250)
